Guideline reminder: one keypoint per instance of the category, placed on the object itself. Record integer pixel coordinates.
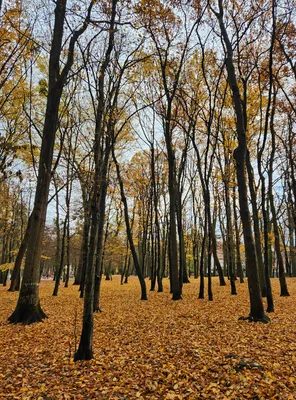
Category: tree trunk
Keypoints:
(195, 244)
(183, 274)
(16, 273)
(282, 278)
(61, 261)
(84, 248)
(173, 248)
(101, 221)
(230, 246)
(156, 219)
(264, 202)
(28, 309)
(201, 294)
(239, 267)
(78, 270)
(153, 252)
(67, 251)
(292, 247)
(256, 226)
(215, 255)
(209, 258)
(129, 232)
(256, 304)
(85, 351)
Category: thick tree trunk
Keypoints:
(28, 309)
(85, 351)
(256, 304)
(176, 289)
(257, 310)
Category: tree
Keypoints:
(171, 59)
(256, 304)
(85, 351)
(28, 309)
(128, 229)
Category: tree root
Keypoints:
(247, 365)
(264, 319)
(270, 310)
(27, 314)
(83, 354)
(285, 294)
(177, 296)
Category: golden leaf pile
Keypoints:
(157, 349)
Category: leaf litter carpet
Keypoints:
(157, 349)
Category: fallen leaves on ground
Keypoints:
(157, 349)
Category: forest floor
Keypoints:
(157, 349)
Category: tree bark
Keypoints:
(230, 246)
(239, 267)
(277, 246)
(28, 309)
(129, 232)
(256, 226)
(61, 261)
(85, 351)
(16, 273)
(256, 304)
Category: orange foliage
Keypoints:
(160, 349)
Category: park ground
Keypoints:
(157, 349)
